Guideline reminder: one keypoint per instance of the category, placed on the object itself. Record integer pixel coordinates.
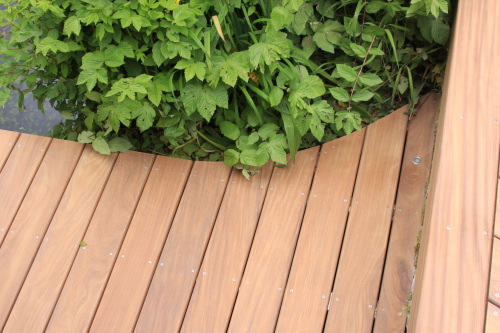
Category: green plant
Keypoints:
(242, 80)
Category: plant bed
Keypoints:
(243, 81)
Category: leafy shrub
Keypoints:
(246, 80)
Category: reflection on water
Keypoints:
(31, 120)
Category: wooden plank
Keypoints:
(492, 319)
(214, 294)
(88, 276)
(497, 212)
(52, 263)
(452, 276)
(33, 219)
(16, 176)
(132, 272)
(407, 221)
(183, 252)
(262, 287)
(8, 141)
(318, 248)
(359, 272)
(494, 290)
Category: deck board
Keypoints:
(497, 212)
(16, 176)
(492, 319)
(315, 260)
(132, 272)
(183, 252)
(451, 287)
(92, 266)
(31, 224)
(494, 290)
(264, 280)
(399, 267)
(7, 143)
(55, 256)
(357, 282)
(214, 294)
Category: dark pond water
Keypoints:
(31, 120)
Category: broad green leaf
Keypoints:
(358, 50)
(50, 44)
(374, 6)
(154, 93)
(158, 56)
(86, 137)
(91, 76)
(231, 157)
(362, 96)
(328, 36)
(323, 111)
(317, 128)
(311, 87)
(119, 145)
(347, 72)
(72, 25)
(100, 145)
(249, 157)
(204, 99)
(4, 96)
(230, 130)
(340, 94)
(236, 65)
(253, 138)
(268, 130)
(144, 116)
(280, 16)
(369, 79)
(348, 121)
(275, 147)
(113, 57)
(192, 69)
(275, 96)
(440, 31)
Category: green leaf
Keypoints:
(275, 96)
(370, 80)
(192, 69)
(83, 243)
(86, 137)
(100, 145)
(236, 65)
(144, 116)
(119, 145)
(348, 121)
(275, 147)
(362, 96)
(158, 56)
(340, 94)
(269, 49)
(323, 111)
(204, 99)
(440, 31)
(268, 130)
(253, 138)
(91, 76)
(4, 96)
(280, 16)
(231, 157)
(347, 72)
(230, 130)
(317, 128)
(358, 50)
(311, 87)
(50, 44)
(72, 25)
(328, 36)
(154, 93)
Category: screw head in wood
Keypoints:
(417, 160)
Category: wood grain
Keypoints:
(33, 218)
(8, 141)
(85, 284)
(357, 282)
(16, 176)
(492, 319)
(497, 212)
(262, 287)
(452, 276)
(399, 266)
(494, 290)
(132, 272)
(214, 294)
(52, 263)
(316, 256)
(183, 252)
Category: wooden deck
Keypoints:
(172, 245)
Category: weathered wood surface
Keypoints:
(452, 276)
(492, 319)
(357, 282)
(315, 261)
(7, 143)
(173, 245)
(494, 290)
(407, 221)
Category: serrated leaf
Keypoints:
(253, 138)
(72, 25)
(50, 44)
(362, 96)
(230, 130)
(280, 16)
(358, 50)
(323, 111)
(86, 137)
(275, 96)
(348, 121)
(4, 96)
(100, 145)
(144, 116)
(91, 76)
(119, 145)
(158, 56)
(204, 99)
(317, 128)
(268, 50)
(236, 65)
(328, 35)
(311, 87)
(347, 72)
(231, 157)
(440, 31)
(249, 157)
(154, 93)
(275, 147)
(268, 130)
(340, 94)
(369, 79)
